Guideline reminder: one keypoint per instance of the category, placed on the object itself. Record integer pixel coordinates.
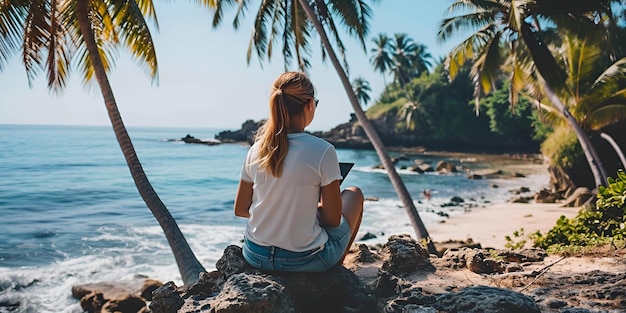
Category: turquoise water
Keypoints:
(70, 213)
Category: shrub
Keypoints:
(604, 223)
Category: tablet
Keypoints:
(345, 168)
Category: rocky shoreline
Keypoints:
(398, 277)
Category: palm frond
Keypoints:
(12, 19)
(487, 65)
(218, 7)
(136, 35)
(354, 15)
(240, 14)
(274, 33)
(582, 64)
(466, 50)
(605, 116)
(300, 27)
(615, 72)
(36, 31)
(259, 38)
(463, 23)
(324, 14)
(518, 82)
(147, 8)
(59, 55)
(543, 59)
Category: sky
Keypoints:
(204, 79)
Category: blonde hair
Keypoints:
(291, 92)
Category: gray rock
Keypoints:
(486, 299)
(403, 255)
(252, 293)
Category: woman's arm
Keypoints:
(243, 199)
(329, 212)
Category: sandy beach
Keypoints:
(489, 225)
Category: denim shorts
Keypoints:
(321, 259)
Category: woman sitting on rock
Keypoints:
(298, 220)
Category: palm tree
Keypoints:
(414, 112)
(361, 89)
(403, 57)
(420, 60)
(404, 49)
(290, 20)
(381, 55)
(505, 23)
(54, 34)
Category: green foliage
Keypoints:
(438, 113)
(563, 149)
(512, 122)
(604, 223)
(381, 108)
(614, 195)
(518, 241)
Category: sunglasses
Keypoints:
(316, 101)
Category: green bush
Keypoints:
(604, 223)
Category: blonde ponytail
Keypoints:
(291, 91)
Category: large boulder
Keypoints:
(237, 287)
(403, 255)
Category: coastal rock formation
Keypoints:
(191, 139)
(379, 280)
(245, 134)
(236, 287)
(127, 297)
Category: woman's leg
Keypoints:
(352, 203)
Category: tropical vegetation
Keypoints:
(434, 112)
(593, 226)
(513, 35)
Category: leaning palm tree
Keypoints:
(361, 89)
(290, 21)
(57, 36)
(507, 23)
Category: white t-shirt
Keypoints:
(283, 212)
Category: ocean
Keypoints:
(70, 213)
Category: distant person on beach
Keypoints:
(298, 219)
(426, 194)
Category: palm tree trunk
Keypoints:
(395, 179)
(616, 147)
(188, 264)
(599, 174)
